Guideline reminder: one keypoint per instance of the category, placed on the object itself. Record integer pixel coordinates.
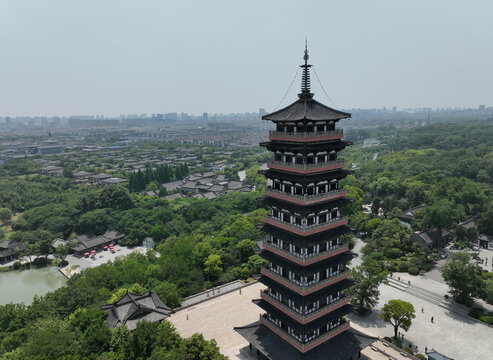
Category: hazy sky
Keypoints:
(62, 57)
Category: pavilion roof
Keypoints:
(341, 347)
(306, 109)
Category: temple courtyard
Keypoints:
(453, 334)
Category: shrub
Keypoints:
(17, 265)
(403, 267)
(413, 270)
(421, 356)
(40, 262)
(408, 349)
(486, 319)
(475, 312)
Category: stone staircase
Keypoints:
(429, 296)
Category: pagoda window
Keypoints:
(309, 190)
(331, 126)
(309, 127)
(290, 128)
(278, 156)
(332, 155)
(320, 128)
(298, 189)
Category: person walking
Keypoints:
(432, 319)
(422, 310)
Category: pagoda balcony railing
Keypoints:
(306, 136)
(305, 230)
(304, 347)
(307, 289)
(306, 199)
(303, 318)
(307, 168)
(305, 259)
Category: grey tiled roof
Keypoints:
(341, 347)
(132, 308)
(306, 109)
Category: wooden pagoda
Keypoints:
(306, 275)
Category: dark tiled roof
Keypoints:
(336, 174)
(306, 109)
(341, 347)
(132, 308)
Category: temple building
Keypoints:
(306, 274)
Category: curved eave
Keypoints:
(311, 269)
(304, 209)
(337, 145)
(306, 299)
(300, 178)
(309, 240)
(306, 110)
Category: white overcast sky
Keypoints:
(63, 57)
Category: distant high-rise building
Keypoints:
(482, 107)
(171, 116)
(261, 112)
(205, 116)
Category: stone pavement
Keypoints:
(454, 335)
(77, 264)
(217, 317)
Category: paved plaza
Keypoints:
(77, 264)
(217, 317)
(451, 333)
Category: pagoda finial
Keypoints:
(305, 77)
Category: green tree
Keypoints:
(245, 248)
(368, 276)
(157, 232)
(197, 347)
(115, 197)
(169, 294)
(212, 266)
(49, 339)
(94, 221)
(96, 339)
(463, 277)
(5, 215)
(398, 313)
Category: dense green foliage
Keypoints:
(368, 276)
(463, 277)
(163, 173)
(399, 314)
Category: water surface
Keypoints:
(21, 286)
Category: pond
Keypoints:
(21, 286)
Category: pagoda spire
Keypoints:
(305, 77)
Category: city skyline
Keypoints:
(123, 58)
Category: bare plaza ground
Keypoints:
(77, 264)
(452, 334)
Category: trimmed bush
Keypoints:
(475, 312)
(421, 356)
(403, 267)
(413, 270)
(408, 349)
(486, 319)
(17, 265)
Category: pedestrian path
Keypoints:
(429, 296)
